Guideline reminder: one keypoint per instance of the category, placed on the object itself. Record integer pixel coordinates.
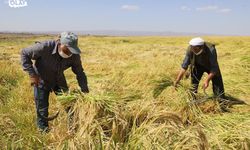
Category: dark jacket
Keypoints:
(49, 65)
(207, 59)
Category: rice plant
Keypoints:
(132, 103)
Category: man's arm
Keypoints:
(213, 61)
(27, 55)
(214, 67)
(209, 77)
(179, 77)
(184, 66)
(80, 74)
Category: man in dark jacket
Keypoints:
(51, 58)
(202, 57)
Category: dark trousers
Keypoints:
(196, 74)
(41, 95)
(42, 104)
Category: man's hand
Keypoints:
(205, 85)
(176, 83)
(209, 77)
(179, 77)
(85, 89)
(34, 80)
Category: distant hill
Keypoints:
(116, 33)
(137, 33)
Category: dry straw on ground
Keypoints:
(132, 103)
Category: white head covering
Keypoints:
(196, 41)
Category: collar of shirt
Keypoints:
(55, 48)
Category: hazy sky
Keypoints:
(199, 16)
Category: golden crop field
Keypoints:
(132, 103)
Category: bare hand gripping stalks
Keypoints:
(40, 115)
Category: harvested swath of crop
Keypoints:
(132, 103)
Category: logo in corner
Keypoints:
(17, 3)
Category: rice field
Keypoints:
(132, 103)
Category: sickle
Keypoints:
(201, 100)
(48, 118)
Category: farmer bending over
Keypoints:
(202, 57)
(51, 58)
